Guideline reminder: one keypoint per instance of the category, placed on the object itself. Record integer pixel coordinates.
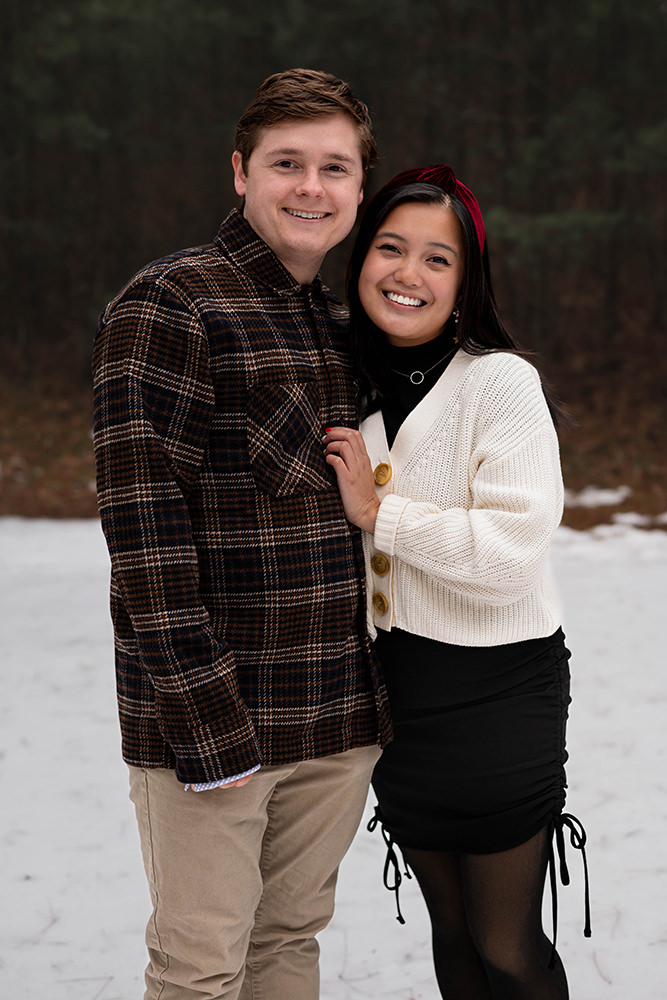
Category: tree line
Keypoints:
(118, 118)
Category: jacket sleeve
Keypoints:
(494, 546)
(153, 409)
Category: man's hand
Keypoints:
(238, 783)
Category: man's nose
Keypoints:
(310, 183)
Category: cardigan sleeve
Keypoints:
(493, 546)
(153, 409)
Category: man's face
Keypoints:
(303, 188)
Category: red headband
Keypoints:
(441, 176)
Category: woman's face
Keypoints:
(411, 277)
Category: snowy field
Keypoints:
(74, 902)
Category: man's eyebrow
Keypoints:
(430, 243)
(284, 151)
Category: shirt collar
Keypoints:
(239, 242)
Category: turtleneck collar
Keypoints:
(420, 356)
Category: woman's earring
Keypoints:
(456, 315)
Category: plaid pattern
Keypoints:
(236, 593)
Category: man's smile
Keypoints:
(299, 213)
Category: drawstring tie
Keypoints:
(578, 841)
(391, 861)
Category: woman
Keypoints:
(455, 480)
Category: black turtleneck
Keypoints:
(400, 394)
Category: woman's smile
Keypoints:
(403, 300)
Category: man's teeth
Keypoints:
(403, 300)
(306, 215)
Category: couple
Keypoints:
(243, 511)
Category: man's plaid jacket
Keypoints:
(237, 596)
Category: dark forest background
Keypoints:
(117, 125)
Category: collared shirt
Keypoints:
(237, 594)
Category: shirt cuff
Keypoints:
(204, 786)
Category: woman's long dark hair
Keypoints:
(479, 330)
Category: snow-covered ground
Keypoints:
(73, 897)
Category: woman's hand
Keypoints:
(346, 453)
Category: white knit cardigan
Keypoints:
(474, 496)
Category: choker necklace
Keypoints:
(417, 377)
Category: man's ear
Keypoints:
(361, 197)
(240, 179)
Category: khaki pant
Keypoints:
(242, 879)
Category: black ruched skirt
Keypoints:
(477, 761)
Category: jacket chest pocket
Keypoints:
(285, 428)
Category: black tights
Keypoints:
(486, 916)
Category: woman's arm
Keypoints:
(495, 549)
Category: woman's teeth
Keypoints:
(403, 300)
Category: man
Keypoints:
(251, 708)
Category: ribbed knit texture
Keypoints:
(466, 518)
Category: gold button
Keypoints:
(380, 603)
(382, 473)
(380, 564)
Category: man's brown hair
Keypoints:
(298, 94)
